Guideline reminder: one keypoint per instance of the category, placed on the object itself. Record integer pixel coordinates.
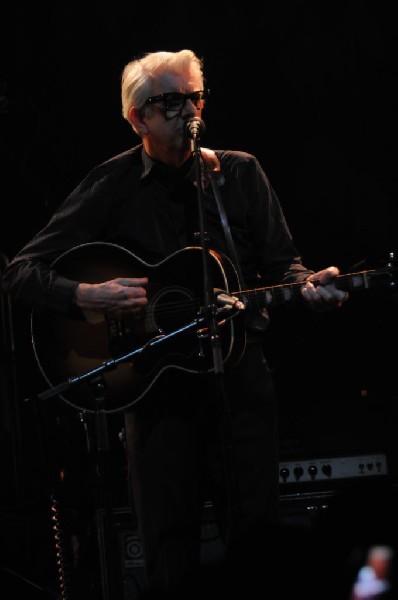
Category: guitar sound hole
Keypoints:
(171, 309)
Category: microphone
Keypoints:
(194, 128)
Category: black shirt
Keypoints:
(152, 210)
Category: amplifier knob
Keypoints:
(284, 473)
(312, 470)
(298, 473)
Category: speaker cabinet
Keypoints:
(131, 560)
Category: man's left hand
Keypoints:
(320, 291)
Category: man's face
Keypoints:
(167, 116)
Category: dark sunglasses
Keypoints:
(175, 101)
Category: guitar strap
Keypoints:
(258, 321)
(213, 171)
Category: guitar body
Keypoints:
(70, 345)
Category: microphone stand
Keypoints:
(111, 578)
(209, 311)
(209, 308)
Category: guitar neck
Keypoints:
(290, 293)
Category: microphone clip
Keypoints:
(194, 128)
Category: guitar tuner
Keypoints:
(392, 267)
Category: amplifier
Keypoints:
(312, 495)
(131, 560)
(332, 468)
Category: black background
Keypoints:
(310, 89)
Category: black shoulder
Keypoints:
(237, 161)
(128, 158)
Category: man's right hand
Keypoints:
(117, 298)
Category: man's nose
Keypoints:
(189, 109)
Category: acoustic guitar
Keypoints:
(67, 346)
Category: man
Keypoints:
(196, 433)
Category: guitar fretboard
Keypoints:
(290, 293)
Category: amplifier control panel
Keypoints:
(328, 469)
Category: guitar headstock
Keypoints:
(392, 270)
(383, 277)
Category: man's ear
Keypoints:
(136, 118)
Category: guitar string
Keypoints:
(265, 296)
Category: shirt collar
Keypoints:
(149, 164)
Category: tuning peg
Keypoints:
(392, 268)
